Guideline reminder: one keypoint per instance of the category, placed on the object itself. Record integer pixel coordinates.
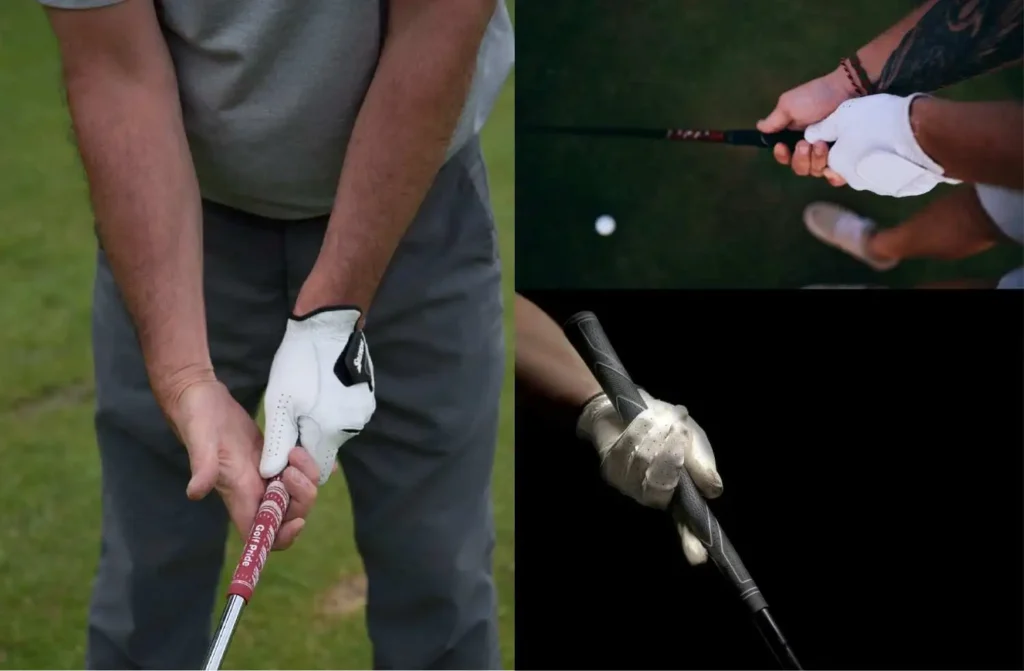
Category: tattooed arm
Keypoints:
(940, 43)
(875, 53)
(954, 40)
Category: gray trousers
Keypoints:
(419, 475)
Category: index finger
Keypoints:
(781, 153)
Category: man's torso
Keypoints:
(270, 90)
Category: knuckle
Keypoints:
(644, 456)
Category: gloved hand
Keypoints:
(645, 459)
(801, 106)
(320, 393)
(875, 148)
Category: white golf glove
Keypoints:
(645, 459)
(875, 148)
(320, 393)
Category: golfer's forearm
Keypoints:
(398, 144)
(546, 363)
(148, 215)
(875, 53)
(953, 41)
(974, 142)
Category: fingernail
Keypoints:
(802, 149)
(716, 484)
(819, 151)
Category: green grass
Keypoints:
(692, 215)
(49, 539)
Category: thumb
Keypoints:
(694, 550)
(700, 460)
(281, 437)
(826, 130)
(778, 120)
(205, 468)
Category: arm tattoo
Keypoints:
(955, 40)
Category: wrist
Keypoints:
(590, 400)
(170, 382)
(317, 292)
(327, 288)
(871, 63)
(591, 411)
(841, 83)
(318, 296)
(329, 319)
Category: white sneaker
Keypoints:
(847, 230)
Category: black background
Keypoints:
(871, 447)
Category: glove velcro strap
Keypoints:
(354, 365)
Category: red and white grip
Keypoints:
(260, 541)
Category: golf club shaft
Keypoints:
(225, 630)
(268, 520)
(745, 138)
(688, 505)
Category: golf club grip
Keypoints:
(261, 539)
(688, 506)
(786, 137)
(754, 138)
(586, 335)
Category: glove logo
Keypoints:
(354, 366)
(359, 355)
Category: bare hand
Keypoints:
(798, 108)
(224, 445)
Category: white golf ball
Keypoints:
(604, 225)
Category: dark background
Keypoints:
(871, 447)
(693, 215)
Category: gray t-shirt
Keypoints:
(270, 90)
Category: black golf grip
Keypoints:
(786, 137)
(753, 138)
(688, 506)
